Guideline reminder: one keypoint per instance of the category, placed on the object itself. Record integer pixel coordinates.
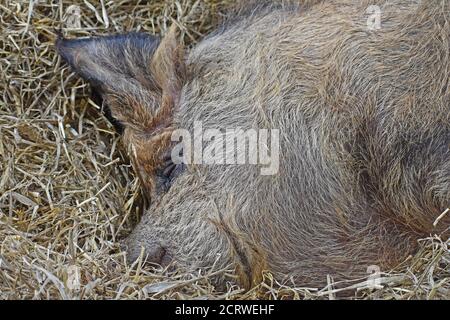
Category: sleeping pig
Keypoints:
(295, 138)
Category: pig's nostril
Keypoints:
(157, 255)
(160, 256)
(153, 254)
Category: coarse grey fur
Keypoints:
(364, 120)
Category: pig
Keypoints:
(363, 120)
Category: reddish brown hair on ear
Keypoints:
(168, 65)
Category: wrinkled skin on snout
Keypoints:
(364, 122)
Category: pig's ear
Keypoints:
(139, 78)
(111, 63)
(167, 65)
(131, 66)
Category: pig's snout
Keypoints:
(153, 253)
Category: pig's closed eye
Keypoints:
(167, 174)
(169, 170)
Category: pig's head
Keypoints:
(138, 79)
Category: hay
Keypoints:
(67, 191)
